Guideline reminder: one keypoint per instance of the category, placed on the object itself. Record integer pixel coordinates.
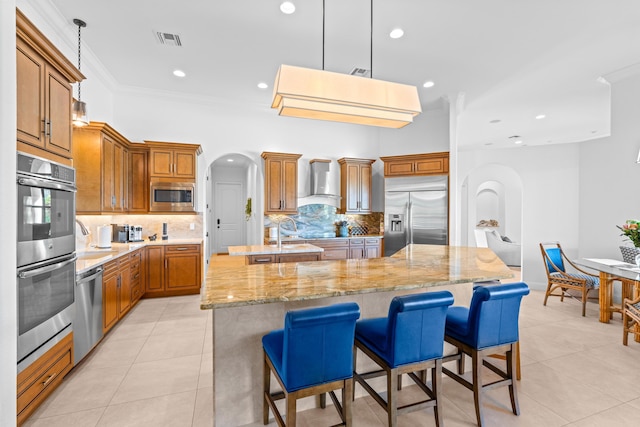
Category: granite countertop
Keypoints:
(90, 257)
(416, 266)
(273, 249)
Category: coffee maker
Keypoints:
(120, 233)
(135, 233)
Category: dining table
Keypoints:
(610, 271)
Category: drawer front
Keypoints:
(330, 243)
(371, 241)
(261, 259)
(356, 242)
(111, 268)
(335, 253)
(37, 381)
(181, 248)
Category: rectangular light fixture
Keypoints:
(325, 95)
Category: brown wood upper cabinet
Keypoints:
(416, 164)
(101, 159)
(44, 94)
(280, 183)
(355, 185)
(173, 160)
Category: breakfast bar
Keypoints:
(249, 301)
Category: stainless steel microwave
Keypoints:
(172, 197)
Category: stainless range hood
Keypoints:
(323, 189)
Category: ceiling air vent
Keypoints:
(168, 39)
(360, 72)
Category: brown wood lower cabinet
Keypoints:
(116, 290)
(38, 380)
(349, 248)
(333, 248)
(173, 270)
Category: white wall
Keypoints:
(610, 176)
(8, 326)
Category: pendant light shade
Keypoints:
(325, 95)
(79, 116)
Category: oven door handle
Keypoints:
(35, 182)
(46, 269)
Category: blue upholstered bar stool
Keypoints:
(409, 340)
(312, 355)
(487, 327)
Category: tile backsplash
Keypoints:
(179, 226)
(318, 220)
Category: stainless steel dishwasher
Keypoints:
(87, 327)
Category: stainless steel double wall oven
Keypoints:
(46, 255)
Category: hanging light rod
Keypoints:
(324, 95)
(79, 109)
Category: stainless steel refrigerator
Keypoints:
(415, 211)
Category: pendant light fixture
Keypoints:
(79, 108)
(324, 95)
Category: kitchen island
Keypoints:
(249, 301)
(268, 254)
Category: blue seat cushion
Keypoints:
(373, 332)
(593, 282)
(273, 344)
(457, 324)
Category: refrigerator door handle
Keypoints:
(409, 225)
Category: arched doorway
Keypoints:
(492, 192)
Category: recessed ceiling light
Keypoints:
(428, 84)
(263, 85)
(287, 8)
(229, 160)
(396, 33)
(540, 116)
(495, 121)
(518, 141)
(179, 73)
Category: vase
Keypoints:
(342, 231)
(629, 253)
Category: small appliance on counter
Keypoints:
(135, 233)
(165, 232)
(120, 233)
(104, 236)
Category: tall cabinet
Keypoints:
(280, 183)
(355, 185)
(101, 159)
(44, 94)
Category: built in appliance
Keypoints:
(172, 197)
(415, 211)
(45, 255)
(87, 325)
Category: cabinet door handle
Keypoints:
(181, 249)
(49, 379)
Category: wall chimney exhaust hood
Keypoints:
(323, 190)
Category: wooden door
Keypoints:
(290, 186)
(181, 271)
(124, 294)
(30, 95)
(352, 187)
(58, 112)
(110, 296)
(120, 177)
(364, 184)
(273, 185)
(160, 162)
(139, 183)
(154, 270)
(184, 164)
(108, 153)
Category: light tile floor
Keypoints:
(154, 369)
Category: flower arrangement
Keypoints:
(342, 223)
(631, 230)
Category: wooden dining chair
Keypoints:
(559, 279)
(631, 317)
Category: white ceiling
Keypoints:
(507, 60)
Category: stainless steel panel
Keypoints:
(87, 325)
(428, 217)
(395, 217)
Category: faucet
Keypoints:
(83, 228)
(281, 220)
